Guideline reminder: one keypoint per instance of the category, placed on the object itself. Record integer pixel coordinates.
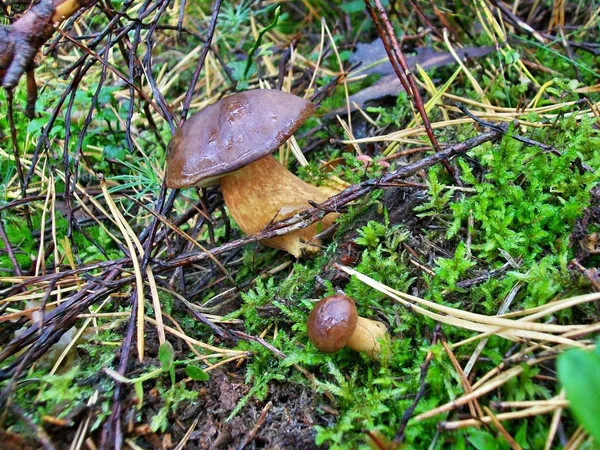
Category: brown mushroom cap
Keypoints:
(332, 322)
(232, 133)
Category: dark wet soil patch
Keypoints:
(285, 419)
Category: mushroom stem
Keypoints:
(265, 191)
(366, 335)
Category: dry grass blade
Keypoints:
(556, 401)
(491, 385)
(505, 305)
(555, 420)
(34, 295)
(551, 308)
(474, 406)
(341, 65)
(78, 440)
(472, 320)
(499, 115)
(498, 425)
(41, 257)
(516, 358)
(187, 435)
(507, 328)
(197, 343)
(225, 361)
(576, 439)
(309, 90)
(139, 291)
(529, 412)
(468, 74)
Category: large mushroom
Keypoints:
(231, 142)
(334, 324)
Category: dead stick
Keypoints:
(9, 250)
(15, 145)
(112, 435)
(396, 57)
(13, 136)
(354, 192)
(21, 41)
(421, 392)
(259, 422)
(209, 36)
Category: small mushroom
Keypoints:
(231, 142)
(334, 323)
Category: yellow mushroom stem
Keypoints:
(366, 335)
(264, 192)
(66, 8)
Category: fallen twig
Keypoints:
(20, 42)
(421, 392)
(396, 57)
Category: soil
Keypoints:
(289, 413)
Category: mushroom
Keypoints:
(334, 323)
(231, 142)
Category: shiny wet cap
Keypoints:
(332, 322)
(232, 133)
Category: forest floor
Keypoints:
(139, 316)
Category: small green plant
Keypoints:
(256, 45)
(438, 199)
(165, 356)
(450, 270)
(396, 115)
(172, 396)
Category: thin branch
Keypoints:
(396, 57)
(205, 49)
(421, 392)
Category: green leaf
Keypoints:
(353, 6)
(511, 57)
(196, 373)
(256, 45)
(114, 152)
(165, 355)
(139, 393)
(237, 69)
(579, 373)
(573, 84)
(521, 436)
(106, 94)
(482, 440)
(36, 124)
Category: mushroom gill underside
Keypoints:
(264, 192)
